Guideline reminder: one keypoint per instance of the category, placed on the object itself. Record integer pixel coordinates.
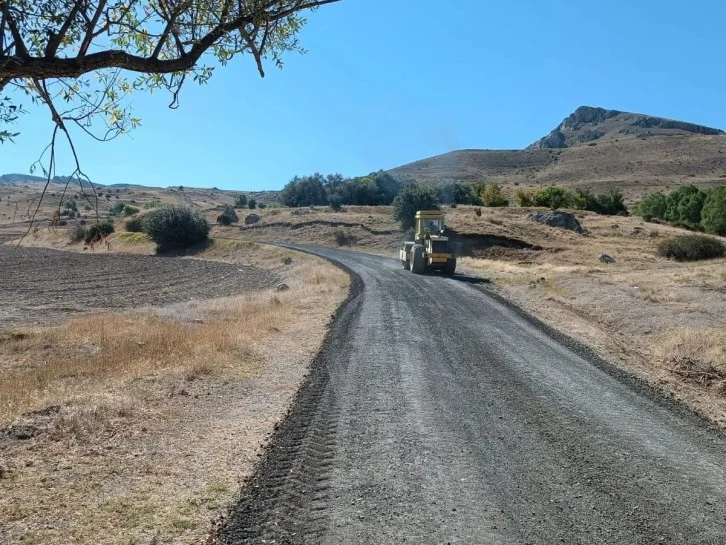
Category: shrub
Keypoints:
(130, 210)
(98, 231)
(477, 212)
(609, 204)
(336, 203)
(652, 206)
(553, 197)
(713, 214)
(524, 197)
(342, 238)
(261, 205)
(175, 227)
(70, 205)
(492, 195)
(117, 208)
(135, 225)
(691, 248)
(459, 193)
(76, 233)
(224, 220)
(240, 201)
(411, 199)
(251, 204)
(684, 204)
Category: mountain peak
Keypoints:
(587, 124)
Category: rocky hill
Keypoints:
(596, 149)
(588, 124)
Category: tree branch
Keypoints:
(23, 65)
(56, 39)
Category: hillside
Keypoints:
(660, 157)
(588, 124)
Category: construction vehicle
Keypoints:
(430, 249)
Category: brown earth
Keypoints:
(141, 426)
(43, 286)
(635, 166)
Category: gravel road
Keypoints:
(438, 414)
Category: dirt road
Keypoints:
(438, 414)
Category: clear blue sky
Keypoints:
(386, 82)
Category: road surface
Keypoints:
(438, 414)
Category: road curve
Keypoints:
(437, 414)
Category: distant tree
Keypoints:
(684, 205)
(553, 197)
(251, 203)
(653, 205)
(240, 201)
(713, 214)
(492, 195)
(305, 191)
(411, 199)
(175, 227)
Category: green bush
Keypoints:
(240, 201)
(117, 208)
(251, 204)
(70, 205)
(553, 197)
(223, 219)
(691, 248)
(652, 206)
(524, 197)
(135, 225)
(175, 227)
(492, 195)
(98, 231)
(76, 233)
(713, 214)
(130, 210)
(411, 199)
(684, 204)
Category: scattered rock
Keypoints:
(198, 321)
(287, 260)
(3, 472)
(605, 258)
(251, 218)
(282, 287)
(564, 220)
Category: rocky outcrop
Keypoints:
(588, 124)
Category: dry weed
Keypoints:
(698, 355)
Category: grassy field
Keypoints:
(141, 426)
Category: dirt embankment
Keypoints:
(139, 426)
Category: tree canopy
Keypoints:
(75, 55)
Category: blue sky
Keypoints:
(387, 82)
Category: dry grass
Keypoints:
(145, 424)
(698, 355)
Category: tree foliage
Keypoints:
(378, 188)
(652, 206)
(684, 205)
(74, 51)
(412, 198)
(713, 214)
(175, 227)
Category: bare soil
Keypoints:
(130, 439)
(41, 286)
